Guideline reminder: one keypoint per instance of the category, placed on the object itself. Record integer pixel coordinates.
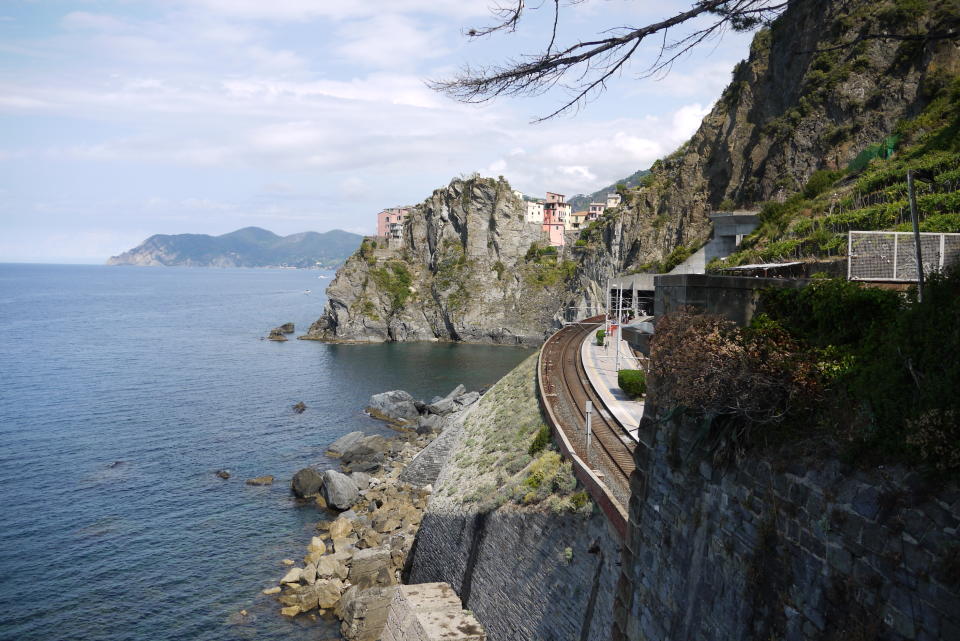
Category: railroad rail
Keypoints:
(564, 390)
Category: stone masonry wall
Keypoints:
(785, 548)
(512, 569)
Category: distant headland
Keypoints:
(247, 247)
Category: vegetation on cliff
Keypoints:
(804, 133)
(860, 369)
(873, 195)
(506, 456)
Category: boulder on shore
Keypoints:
(339, 490)
(342, 444)
(468, 399)
(261, 480)
(370, 567)
(306, 482)
(366, 448)
(443, 407)
(396, 405)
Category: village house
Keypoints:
(577, 220)
(390, 222)
(555, 213)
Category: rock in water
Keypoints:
(339, 490)
(306, 482)
(286, 328)
(260, 480)
(293, 576)
(395, 405)
(300, 407)
(224, 474)
(459, 390)
(276, 335)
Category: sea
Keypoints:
(123, 390)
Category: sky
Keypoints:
(120, 119)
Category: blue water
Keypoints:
(122, 391)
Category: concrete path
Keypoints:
(600, 365)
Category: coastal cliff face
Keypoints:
(464, 271)
(813, 94)
(810, 96)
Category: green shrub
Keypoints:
(601, 334)
(633, 382)
(540, 441)
(819, 182)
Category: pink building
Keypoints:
(555, 213)
(390, 222)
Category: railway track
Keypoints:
(566, 389)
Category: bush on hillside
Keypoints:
(740, 382)
(633, 382)
(892, 357)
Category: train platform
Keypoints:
(600, 365)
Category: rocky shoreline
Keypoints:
(377, 500)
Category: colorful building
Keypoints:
(556, 211)
(577, 220)
(390, 222)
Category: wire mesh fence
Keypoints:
(891, 256)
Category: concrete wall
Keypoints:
(785, 547)
(733, 297)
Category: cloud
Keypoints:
(389, 40)
(303, 10)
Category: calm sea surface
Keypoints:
(122, 391)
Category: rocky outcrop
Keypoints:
(809, 97)
(463, 272)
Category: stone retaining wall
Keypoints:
(785, 548)
(526, 576)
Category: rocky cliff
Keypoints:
(468, 268)
(814, 93)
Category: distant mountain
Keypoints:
(580, 202)
(247, 247)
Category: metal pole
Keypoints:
(616, 343)
(916, 235)
(589, 427)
